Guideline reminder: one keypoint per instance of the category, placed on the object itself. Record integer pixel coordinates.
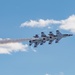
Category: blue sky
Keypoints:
(15, 22)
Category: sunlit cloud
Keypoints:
(8, 46)
(65, 24)
(12, 47)
(39, 23)
(68, 24)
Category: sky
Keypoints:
(24, 19)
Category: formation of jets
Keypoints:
(50, 38)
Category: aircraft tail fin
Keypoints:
(51, 34)
(58, 36)
(43, 34)
(58, 32)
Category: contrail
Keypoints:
(8, 40)
(4, 41)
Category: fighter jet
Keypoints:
(59, 36)
(37, 40)
(51, 37)
(44, 38)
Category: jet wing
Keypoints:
(57, 40)
(36, 44)
(58, 36)
(51, 37)
(43, 34)
(50, 42)
(51, 34)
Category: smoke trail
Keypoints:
(4, 41)
(7, 46)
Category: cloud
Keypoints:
(8, 46)
(66, 24)
(39, 23)
(12, 47)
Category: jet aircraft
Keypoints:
(50, 38)
(37, 40)
(59, 36)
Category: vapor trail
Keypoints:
(4, 41)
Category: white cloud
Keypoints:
(66, 24)
(12, 47)
(39, 23)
